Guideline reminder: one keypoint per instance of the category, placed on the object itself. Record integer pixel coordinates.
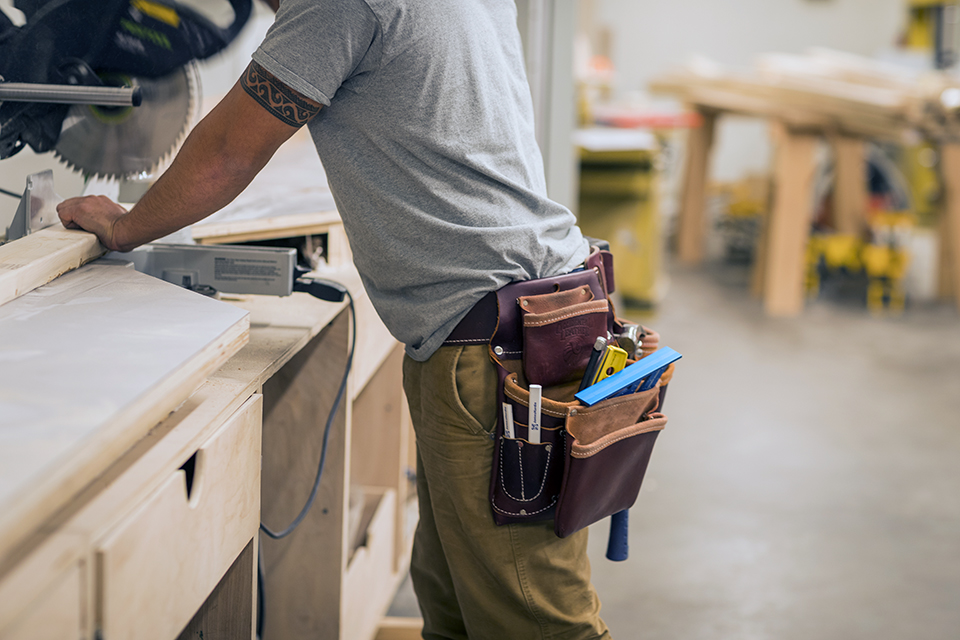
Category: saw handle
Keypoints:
(70, 94)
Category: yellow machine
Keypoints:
(618, 203)
(883, 258)
(746, 202)
(932, 27)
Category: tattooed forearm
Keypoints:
(283, 102)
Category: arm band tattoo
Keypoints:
(277, 98)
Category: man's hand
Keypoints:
(96, 214)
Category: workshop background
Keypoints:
(806, 484)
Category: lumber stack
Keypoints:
(827, 91)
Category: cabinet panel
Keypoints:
(56, 615)
(157, 568)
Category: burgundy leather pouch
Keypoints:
(559, 329)
(608, 447)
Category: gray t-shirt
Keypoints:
(427, 139)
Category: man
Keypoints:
(422, 117)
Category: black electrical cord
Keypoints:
(277, 535)
(260, 594)
(11, 194)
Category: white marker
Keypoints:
(508, 421)
(533, 434)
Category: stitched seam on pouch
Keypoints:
(503, 484)
(522, 515)
(595, 411)
(512, 395)
(563, 317)
(593, 450)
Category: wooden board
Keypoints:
(370, 582)
(38, 258)
(692, 221)
(950, 158)
(789, 224)
(850, 190)
(392, 628)
(267, 228)
(91, 362)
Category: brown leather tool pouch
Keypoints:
(559, 329)
(590, 461)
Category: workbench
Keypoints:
(153, 531)
(822, 95)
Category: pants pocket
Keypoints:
(475, 382)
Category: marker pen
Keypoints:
(508, 421)
(536, 397)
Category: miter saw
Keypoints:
(110, 86)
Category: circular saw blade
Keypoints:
(124, 141)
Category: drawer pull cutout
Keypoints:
(191, 470)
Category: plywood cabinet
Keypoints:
(335, 576)
(157, 566)
(162, 541)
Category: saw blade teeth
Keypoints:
(120, 143)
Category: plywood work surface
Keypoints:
(88, 364)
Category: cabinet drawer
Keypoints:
(157, 567)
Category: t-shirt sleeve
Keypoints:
(314, 46)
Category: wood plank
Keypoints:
(950, 163)
(850, 190)
(98, 357)
(692, 222)
(789, 224)
(853, 109)
(393, 628)
(267, 228)
(38, 258)
(370, 583)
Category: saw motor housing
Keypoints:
(137, 43)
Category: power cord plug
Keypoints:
(319, 288)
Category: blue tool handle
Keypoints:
(617, 545)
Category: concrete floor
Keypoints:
(807, 485)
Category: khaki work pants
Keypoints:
(472, 578)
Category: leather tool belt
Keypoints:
(590, 461)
